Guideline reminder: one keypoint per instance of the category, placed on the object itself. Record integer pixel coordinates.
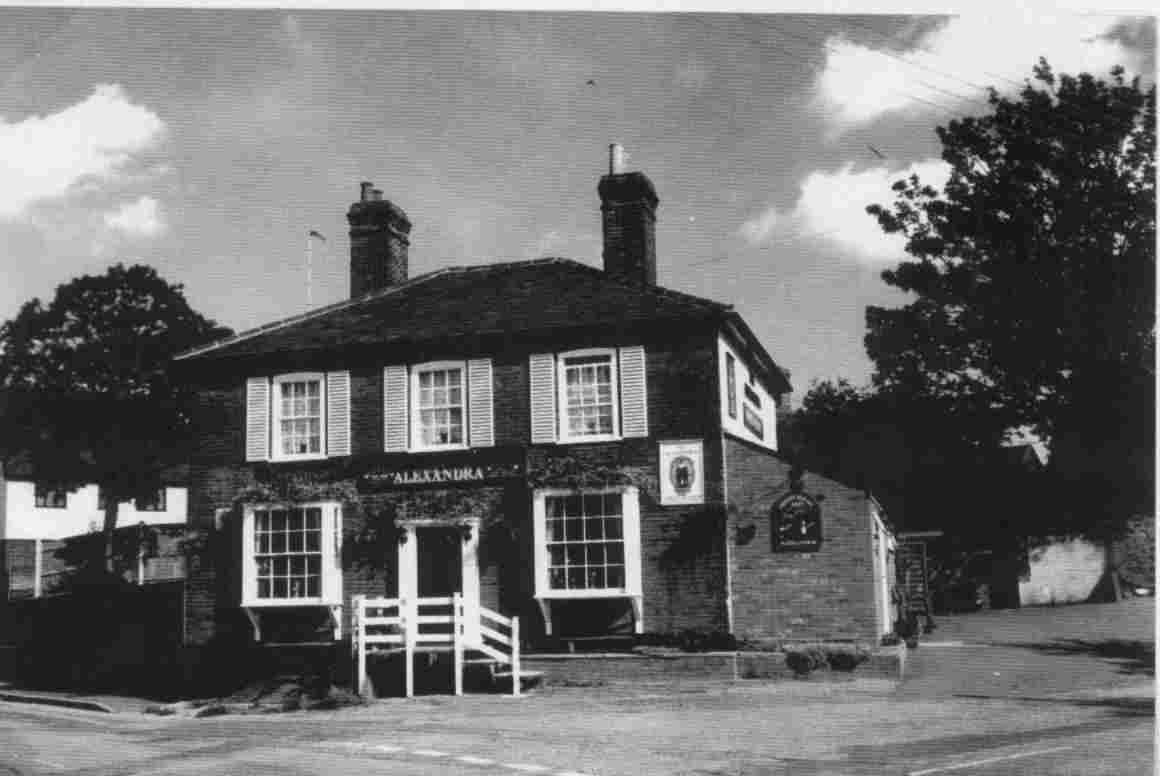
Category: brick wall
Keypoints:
(683, 565)
(828, 594)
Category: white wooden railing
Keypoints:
(431, 625)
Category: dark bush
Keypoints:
(802, 659)
(843, 657)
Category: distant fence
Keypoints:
(35, 568)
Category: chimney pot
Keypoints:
(616, 159)
(365, 191)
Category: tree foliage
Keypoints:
(87, 394)
(927, 467)
(1033, 275)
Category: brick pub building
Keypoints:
(582, 448)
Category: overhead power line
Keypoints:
(1078, 114)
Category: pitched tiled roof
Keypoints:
(524, 296)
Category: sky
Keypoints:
(208, 143)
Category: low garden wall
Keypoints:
(620, 668)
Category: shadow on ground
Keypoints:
(1130, 657)
(925, 748)
(1124, 707)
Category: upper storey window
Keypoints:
(591, 395)
(440, 406)
(298, 417)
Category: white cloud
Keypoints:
(137, 219)
(831, 207)
(43, 157)
(948, 63)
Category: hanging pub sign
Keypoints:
(446, 469)
(682, 473)
(796, 524)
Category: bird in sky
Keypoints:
(876, 152)
(591, 82)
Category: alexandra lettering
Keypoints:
(426, 476)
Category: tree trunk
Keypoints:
(109, 529)
(1112, 568)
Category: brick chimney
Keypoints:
(628, 204)
(380, 235)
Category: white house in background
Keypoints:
(30, 510)
(34, 519)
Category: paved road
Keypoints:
(953, 717)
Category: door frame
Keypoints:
(408, 564)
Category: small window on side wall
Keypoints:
(155, 502)
(731, 384)
(50, 498)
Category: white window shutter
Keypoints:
(633, 393)
(258, 419)
(395, 409)
(542, 379)
(338, 413)
(481, 430)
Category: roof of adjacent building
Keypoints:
(509, 298)
(19, 466)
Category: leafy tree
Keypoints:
(930, 469)
(1033, 272)
(87, 393)
(910, 452)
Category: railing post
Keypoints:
(358, 645)
(515, 656)
(409, 622)
(37, 568)
(457, 640)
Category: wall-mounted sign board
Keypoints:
(682, 472)
(796, 524)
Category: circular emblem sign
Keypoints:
(682, 474)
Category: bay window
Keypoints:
(291, 555)
(587, 545)
(585, 541)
